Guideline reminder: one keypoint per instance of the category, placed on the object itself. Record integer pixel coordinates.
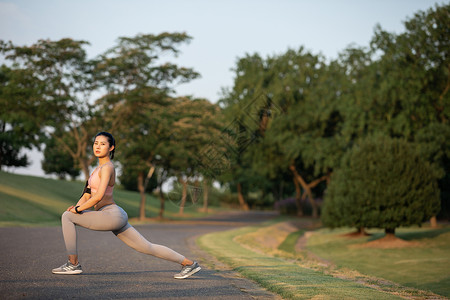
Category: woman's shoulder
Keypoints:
(108, 167)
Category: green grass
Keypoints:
(424, 267)
(284, 277)
(37, 201)
(334, 266)
(288, 244)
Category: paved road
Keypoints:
(111, 270)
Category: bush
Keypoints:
(384, 183)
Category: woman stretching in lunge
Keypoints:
(108, 216)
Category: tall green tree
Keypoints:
(198, 123)
(141, 126)
(137, 103)
(421, 56)
(400, 86)
(283, 108)
(21, 115)
(61, 77)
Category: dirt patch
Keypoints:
(301, 242)
(271, 237)
(387, 242)
(356, 234)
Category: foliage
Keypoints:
(129, 178)
(58, 81)
(58, 161)
(382, 183)
(138, 105)
(135, 62)
(279, 131)
(20, 115)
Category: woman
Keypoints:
(108, 216)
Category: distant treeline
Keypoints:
(366, 134)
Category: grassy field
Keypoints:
(328, 265)
(36, 201)
(331, 266)
(424, 266)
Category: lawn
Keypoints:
(329, 266)
(282, 276)
(37, 201)
(332, 266)
(425, 266)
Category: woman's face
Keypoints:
(101, 146)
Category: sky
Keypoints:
(222, 30)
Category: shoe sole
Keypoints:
(68, 272)
(189, 274)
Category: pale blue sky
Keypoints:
(222, 31)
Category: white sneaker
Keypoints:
(68, 269)
(187, 271)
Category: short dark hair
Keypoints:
(111, 141)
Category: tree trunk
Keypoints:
(264, 120)
(183, 195)
(142, 186)
(141, 189)
(390, 233)
(281, 191)
(149, 175)
(195, 192)
(362, 231)
(306, 188)
(298, 194)
(242, 203)
(433, 222)
(162, 202)
(84, 164)
(78, 152)
(205, 195)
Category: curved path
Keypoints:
(112, 270)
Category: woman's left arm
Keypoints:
(106, 172)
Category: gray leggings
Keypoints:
(112, 218)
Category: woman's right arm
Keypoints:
(82, 200)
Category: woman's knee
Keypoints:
(66, 216)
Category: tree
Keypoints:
(409, 93)
(399, 87)
(137, 102)
(384, 183)
(128, 179)
(197, 123)
(53, 79)
(21, 115)
(434, 145)
(141, 128)
(58, 161)
(286, 116)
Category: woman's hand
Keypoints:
(72, 209)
